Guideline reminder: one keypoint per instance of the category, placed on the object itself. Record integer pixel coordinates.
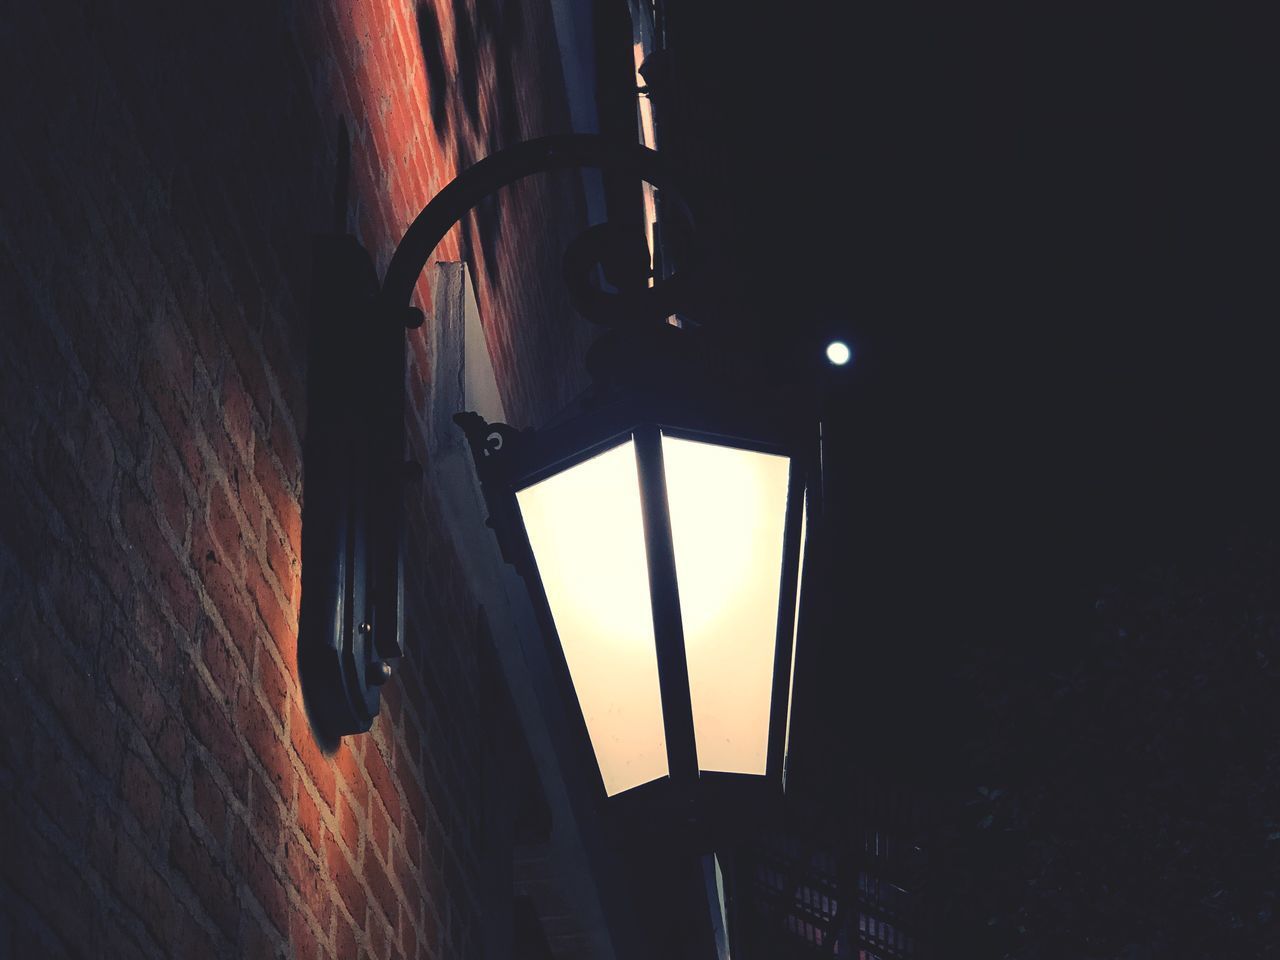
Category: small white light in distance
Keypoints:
(838, 352)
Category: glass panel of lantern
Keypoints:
(728, 510)
(585, 528)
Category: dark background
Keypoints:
(1049, 236)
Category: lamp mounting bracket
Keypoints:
(351, 621)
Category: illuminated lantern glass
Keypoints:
(665, 561)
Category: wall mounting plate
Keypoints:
(351, 624)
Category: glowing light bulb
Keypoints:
(838, 353)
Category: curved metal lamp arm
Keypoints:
(351, 621)
(566, 151)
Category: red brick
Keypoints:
(433, 836)
(284, 564)
(214, 891)
(284, 503)
(208, 343)
(408, 936)
(304, 874)
(383, 893)
(411, 845)
(382, 781)
(256, 529)
(405, 873)
(171, 408)
(265, 740)
(283, 361)
(137, 693)
(352, 774)
(224, 665)
(180, 596)
(192, 458)
(380, 830)
(170, 497)
(226, 529)
(285, 434)
(150, 631)
(410, 755)
(137, 516)
(302, 940)
(273, 615)
(211, 727)
(267, 889)
(256, 941)
(273, 682)
(323, 903)
(239, 840)
(209, 801)
(265, 808)
(416, 799)
(377, 940)
(345, 943)
(237, 417)
(344, 877)
(318, 767)
(348, 825)
(228, 600)
(240, 340)
(170, 746)
(308, 815)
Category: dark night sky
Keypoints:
(1050, 237)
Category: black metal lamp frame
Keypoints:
(351, 624)
(508, 461)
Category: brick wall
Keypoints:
(515, 241)
(164, 168)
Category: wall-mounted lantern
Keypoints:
(661, 532)
(662, 543)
